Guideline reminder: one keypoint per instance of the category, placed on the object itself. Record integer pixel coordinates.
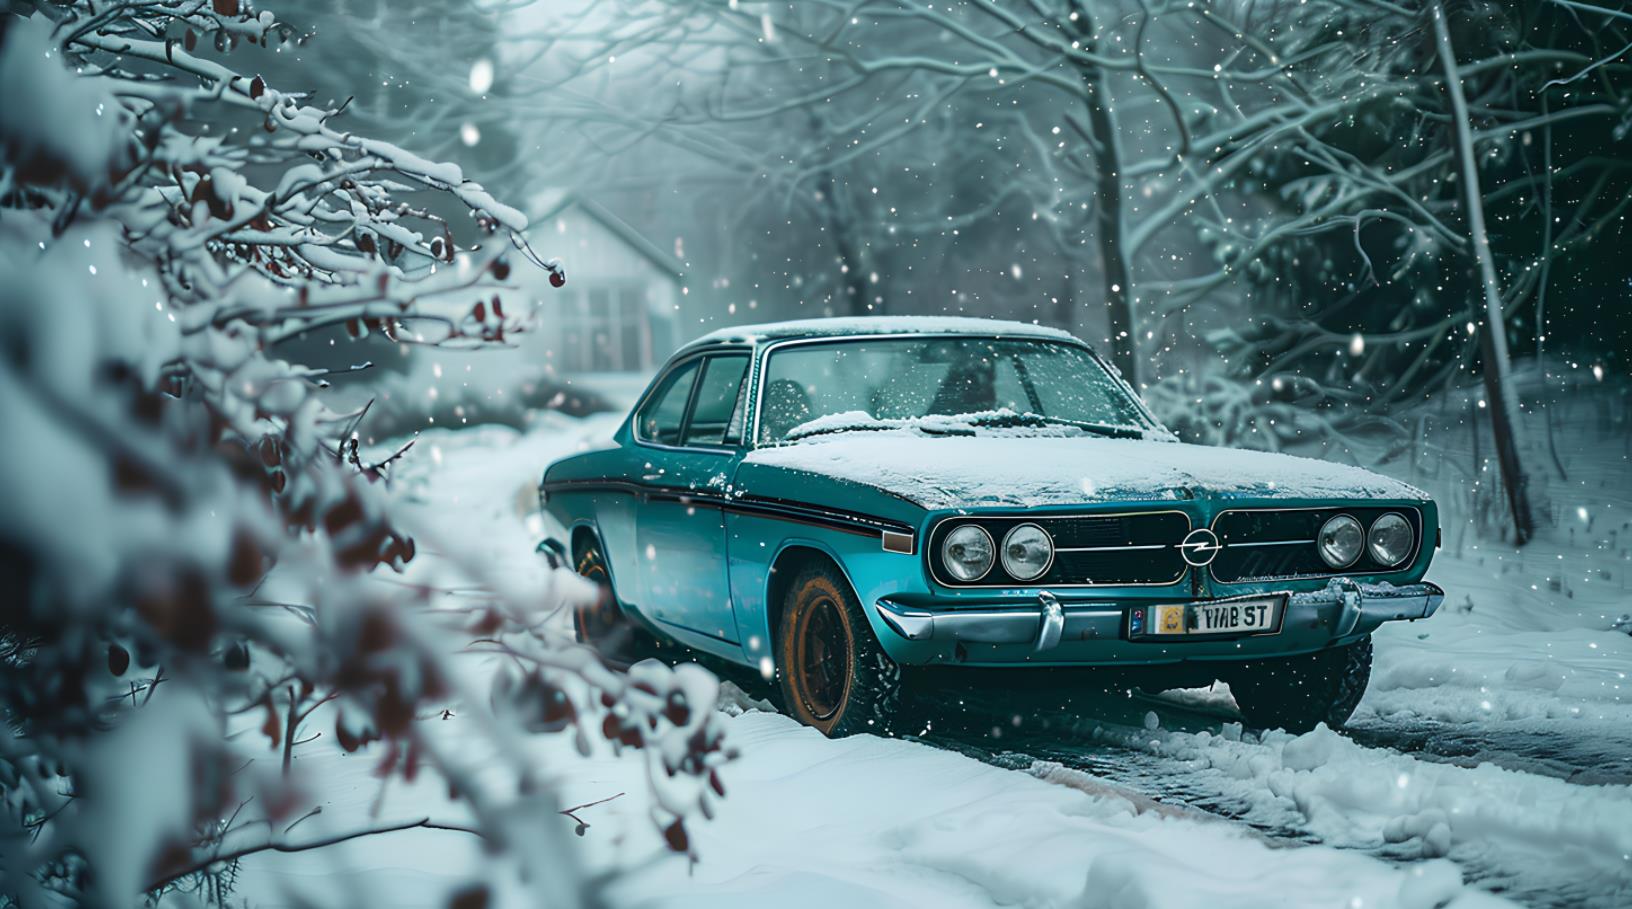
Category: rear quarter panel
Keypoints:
(609, 514)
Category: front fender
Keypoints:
(758, 545)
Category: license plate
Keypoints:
(1257, 615)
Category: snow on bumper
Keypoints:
(1369, 605)
(1056, 631)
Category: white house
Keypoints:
(619, 310)
(607, 330)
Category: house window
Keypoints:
(605, 329)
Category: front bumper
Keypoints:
(1092, 632)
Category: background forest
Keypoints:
(1270, 214)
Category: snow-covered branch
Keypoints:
(191, 538)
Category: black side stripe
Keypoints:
(759, 506)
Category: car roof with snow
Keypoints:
(876, 325)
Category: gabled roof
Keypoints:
(553, 204)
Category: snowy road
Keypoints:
(1562, 851)
(1578, 752)
(1527, 790)
(1497, 735)
(1494, 747)
(1589, 754)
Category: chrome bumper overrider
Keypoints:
(1359, 608)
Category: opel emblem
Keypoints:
(1200, 547)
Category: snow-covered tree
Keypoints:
(190, 536)
(1388, 188)
(969, 118)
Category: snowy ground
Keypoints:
(1494, 748)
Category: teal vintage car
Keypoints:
(832, 501)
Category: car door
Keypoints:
(693, 451)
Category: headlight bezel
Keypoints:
(1405, 553)
(1360, 546)
(1003, 552)
(947, 562)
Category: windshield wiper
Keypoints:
(927, 428)
(1036, 419)
(944, 429)
(964, 425)
(796, 434)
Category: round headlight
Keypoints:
(1390, 539)
(1027, 552)
(967, 553)
(1341, 540)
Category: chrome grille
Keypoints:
(1274, 544)
(1138, 548)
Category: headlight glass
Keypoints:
(967, 553)
(1027, 552)
(1390, 539)
(1341, 540)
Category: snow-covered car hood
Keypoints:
(1006, 470)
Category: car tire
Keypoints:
(604, 626)
(1297, 693)
(831, 671)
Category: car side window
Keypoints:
(716, 416)
(664, 414)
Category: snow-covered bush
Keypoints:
(189, 536)
(438, 396)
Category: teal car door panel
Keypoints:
(592, 492)
(681, 543)
(691, 454)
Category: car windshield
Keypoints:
(880, 383)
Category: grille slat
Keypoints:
(1259, 563)
(1123, 565)
(1111, 550)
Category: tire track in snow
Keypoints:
(1187, 765)
(1096, 733)
(1574, 751)
(1184, 762)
